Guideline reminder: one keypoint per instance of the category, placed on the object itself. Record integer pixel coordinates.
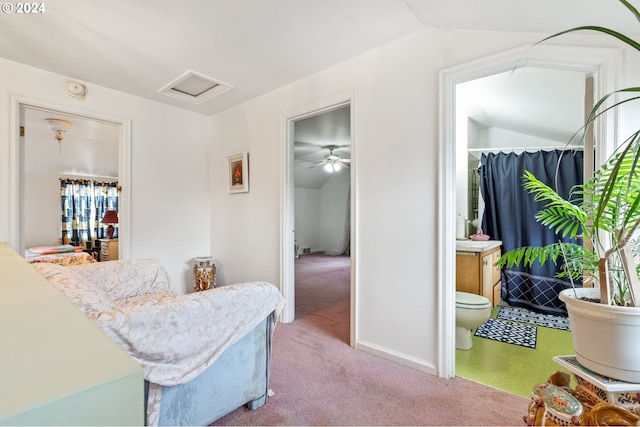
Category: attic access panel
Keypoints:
(194, 87)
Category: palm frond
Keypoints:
(559, 214)
(607, 210)
(576, 258)
(631, 8)
(623, 38)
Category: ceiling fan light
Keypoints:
(328, 167)
(336, 166)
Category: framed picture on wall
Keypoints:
(238, 173)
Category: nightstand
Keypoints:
(108, 249)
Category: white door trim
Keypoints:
(15, 204)
(603, 62)
(287, 217)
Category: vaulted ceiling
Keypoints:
(255, 46)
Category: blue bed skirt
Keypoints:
(240, 376)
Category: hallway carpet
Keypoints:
(318, 379)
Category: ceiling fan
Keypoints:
(332, 163)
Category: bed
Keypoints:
(60, 254)
(203, 354)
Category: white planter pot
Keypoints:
(606, 338)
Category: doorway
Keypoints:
(319, 138)
(322, 162)
(25, 118)
(521, 119)
(601, 63)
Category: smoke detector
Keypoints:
(76, 90)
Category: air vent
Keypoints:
(194, 87)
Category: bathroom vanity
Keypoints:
(476, 272)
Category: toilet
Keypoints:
(471, 311)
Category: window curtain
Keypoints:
(84, 203)
(105, 198)
(509, 216)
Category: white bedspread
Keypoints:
(173, 337)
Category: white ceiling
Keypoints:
(254, 45)
(313, 136)
(88, 149)
(541, 102)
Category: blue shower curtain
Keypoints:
(510, 216)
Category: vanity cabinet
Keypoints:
(476, 272)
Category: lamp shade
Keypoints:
(111, 217)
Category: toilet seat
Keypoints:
(468, 301)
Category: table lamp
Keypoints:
(110, 217)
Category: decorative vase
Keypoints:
(560, 407)
(606, 338)
(204, 273)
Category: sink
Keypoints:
(476, 246)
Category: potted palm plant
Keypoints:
(605, 319)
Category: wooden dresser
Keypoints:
(108, 249)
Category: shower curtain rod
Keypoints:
(557, 147)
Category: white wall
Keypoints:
(42, 210)
(503, 138)
(397, 224)
(307, 218)
(333, 210)
(320, 214)
(170, 210)
(396, 105)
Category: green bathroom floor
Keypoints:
(510, 367)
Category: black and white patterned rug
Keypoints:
(508, 332)
(523, 315)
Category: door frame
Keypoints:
(603, 63)
(287, 216)
(15, 206)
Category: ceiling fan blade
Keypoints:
(335, 146)
(306, 144)
(322, 163)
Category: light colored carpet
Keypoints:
(318, 379)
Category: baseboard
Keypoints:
(400, 358)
